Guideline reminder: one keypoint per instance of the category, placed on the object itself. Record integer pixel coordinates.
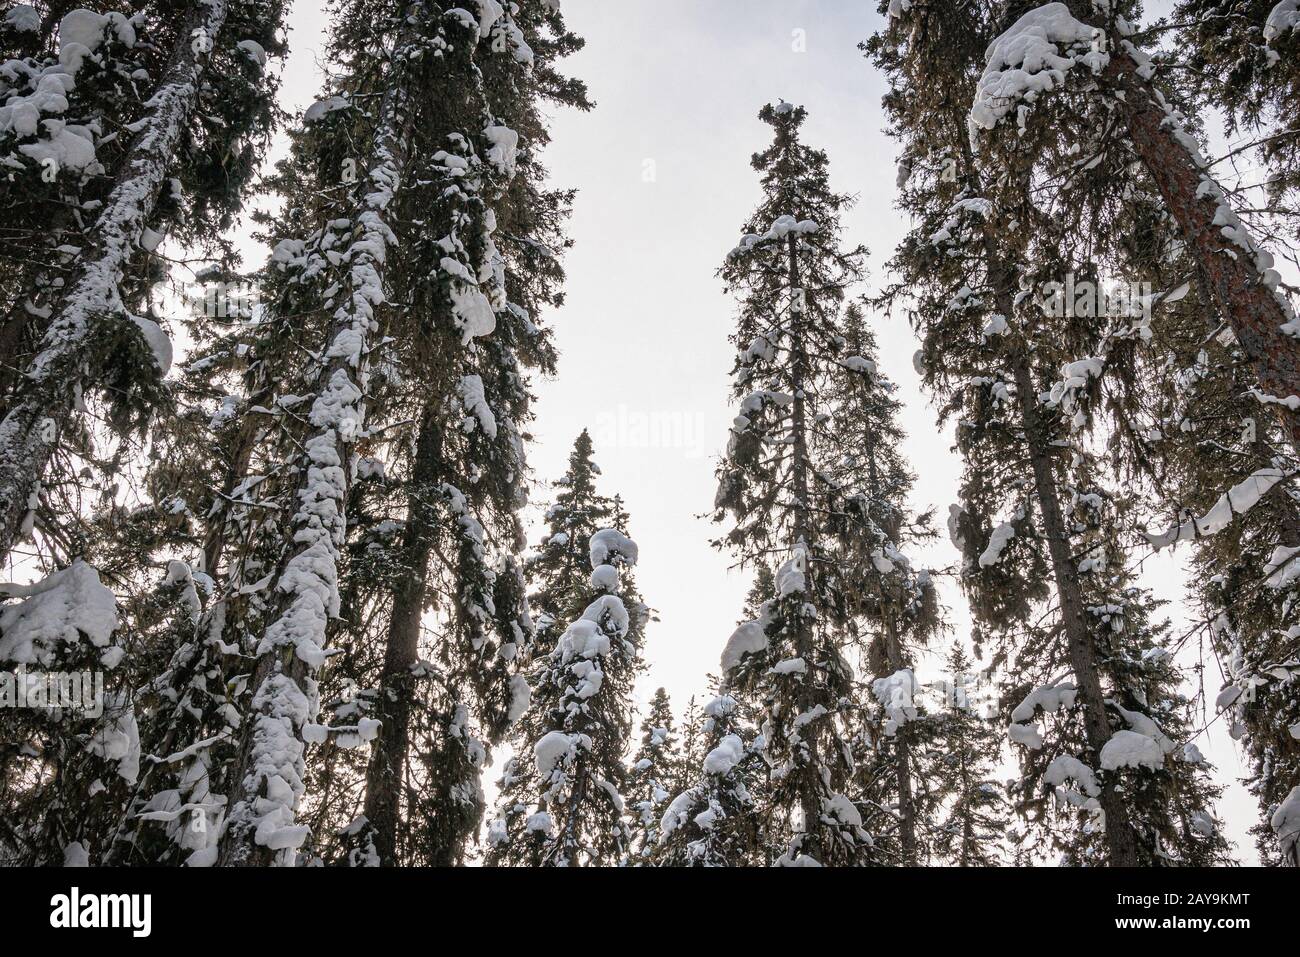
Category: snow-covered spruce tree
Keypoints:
(714, 819)
(440, 113)
(895, 607)
(1100, 78)
(1113, 85)
(716, 822)
(345, 261)
(118, 131)
(559, 574)
(206, 496)
(655, 769)
(962, 284)
(560, 580)
(692, 744)
(561, 793)
(795, 493)
(965, 748)
(482, 203)
(581, 708)
(1031, 504)
(121, 77)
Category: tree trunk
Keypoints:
(386, 772)
(1082, 650)
(1255, 313)
(903, 747)
(214, 543)
(810, 796)
(896, 661)
(29, 434)
(968, 844)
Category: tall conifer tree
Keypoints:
(654, 771)
(562, 794)
(1007, 367)
(798, 495)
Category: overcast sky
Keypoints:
(662, 167)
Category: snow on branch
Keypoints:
(67, 607)
(1282, 19)
(781, 227)
(1238, 500)
(1033, 58)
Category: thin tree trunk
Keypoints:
(1082, 649)
(29, 434)
(897, 661)
(809, 798)
(386, 772)
(214, 543)
(903, 748)
(967, 824)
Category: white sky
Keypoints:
(662, 165)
